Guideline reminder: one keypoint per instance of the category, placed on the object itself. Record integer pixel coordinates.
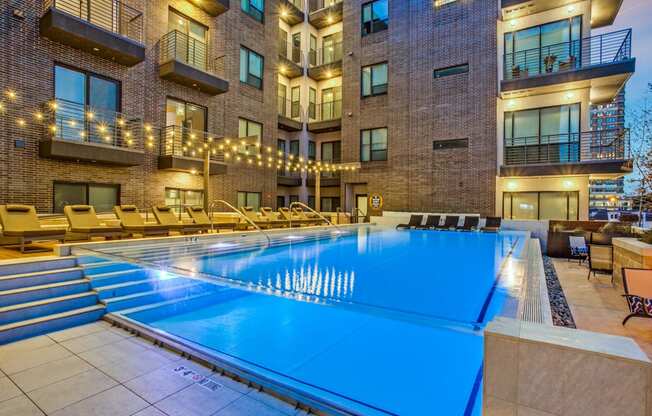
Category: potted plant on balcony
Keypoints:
(549, 62)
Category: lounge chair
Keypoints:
(470, 223)
(601, 260)
(450, 223)
(199, 216)
(578, 249)
(292, 218)
(256, 218)
(415, 222)
(133, 223)
(638, 292)
(432, 221)
(21, 222)
(269, 214)
(300, 213)
(83, 220)
(492, 225)
(165, 216)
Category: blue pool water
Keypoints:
(375, 322)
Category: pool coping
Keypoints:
(532, 285)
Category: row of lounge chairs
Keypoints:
(20, 222)
(451, 222)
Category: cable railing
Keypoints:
(241, 215)
(183, 48)
(327, 55)
(66, 120)
(589, 146)
(186, 142)
(291, 52)
(569, 56)
(111, 15)
(290, 109)
(330, 110)
(315, 5)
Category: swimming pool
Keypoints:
(371, 321)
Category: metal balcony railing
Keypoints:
(291, 53)
(290, 109)
(588, 146)
(569, 56)
(183, 48)
(315, 5)
(330, 174)
(288, 173)
(185, 142)
(66, 120)
(326, 111)
(326, 55)
(111, 15)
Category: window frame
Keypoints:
(260, 138)
(87, 186)
(182, 191)
(568, 195)
(372, 23)
(247, 194)
(87, 83)
(259, 16)
(465, 68)
(371, 80)
(248, 69)
(371, 151)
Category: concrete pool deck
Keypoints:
(97, 369)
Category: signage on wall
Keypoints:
(375, 205)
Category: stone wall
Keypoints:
(631, 253)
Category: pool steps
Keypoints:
(46, 295)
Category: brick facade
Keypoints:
(417, 109)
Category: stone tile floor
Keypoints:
(598, 306)
(99, 370)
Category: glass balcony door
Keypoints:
(183, 120)
(331, 103)
(190, 44)
(332, 48)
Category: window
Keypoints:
(179, 199)
(450, 144)
(296, 102)
(312, 54)
(254, 8)
(184, 114)
(74, 90)
(311, 201)
(331, 49)
(451, 70)
(541, 205)
(294, 198)
(374, 80)
(374, 16)
(280, 201)
(280, 145)
(331, 151)
(248, 128)
(251, 68)
(312, 102)
(439, 3)
(312, 150)
(331, 103)
(249, 199)
(294, 148)
(282, 100)
(103, 197)
(330, 204)
(373, 145)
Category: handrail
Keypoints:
(237, 211)
(358, 211)
(301, 204)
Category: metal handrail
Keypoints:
(357, 212)
(302, 205)
(240, 214)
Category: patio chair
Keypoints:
(300, 213)
(269, 214)
(199, 216)
(256, 218)
(292, 219)
(21, 222)
(578, 247)
(492, 225)
(470, 223)
(601, 260)
(83, 220)
(132, 222)
(432, 221)
(638, 293)
(415, 222)
(165, 216)
(449, 223)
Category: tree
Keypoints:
(640, 129)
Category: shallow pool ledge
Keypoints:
(536, 368)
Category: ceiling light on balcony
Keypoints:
(511, 185)
(193, 171)
(329, 74)
(284, 13)
(568, 184)
(571, 8)
(330, 19)
(511, 103)
(570, 96)
(512, 23)
(96, 49)
(281, 69)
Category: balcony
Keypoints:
(212, 7)
(290, 115)
(325, 12)
(83, 134)
(326, 179)
(287, 177)
(325, 63)
(105, 28)
(603, 63)
(291, 11)
(593, 152)
(182, 151)
(603, 12)
(184, 60)
(326, 117)
(291, 60)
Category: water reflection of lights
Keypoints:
(163, 275)
(293, 237)
(510, 273)
(328, 282)
(224, 245)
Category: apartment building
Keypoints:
(449, 106)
